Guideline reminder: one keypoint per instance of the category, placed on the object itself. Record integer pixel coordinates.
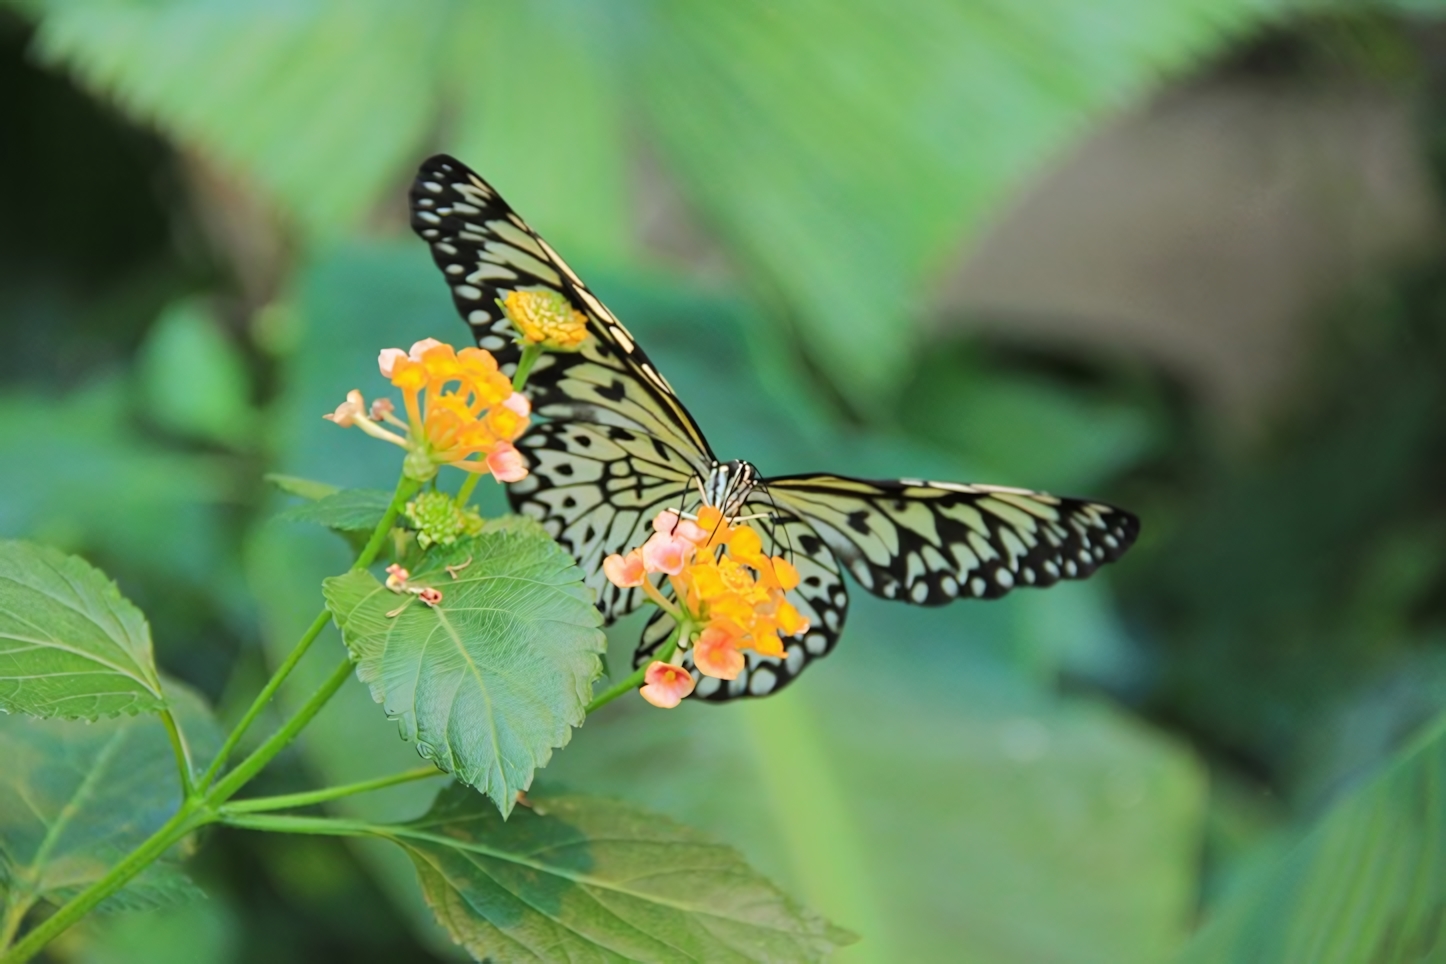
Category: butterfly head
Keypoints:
(728, 484)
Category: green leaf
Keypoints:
(305, 488)
(492, 678)
(350, 510)
(323, 102)
(1366, 885)
(194, 379)
(76, 797)
(70, 644)
(587, 879)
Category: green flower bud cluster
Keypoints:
(439, 520)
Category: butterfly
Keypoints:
(616, 446)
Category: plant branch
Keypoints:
(16, 907)
(323, 826)
(311, 797)
(279, 740)
(188, 818)
(406, 488)
(183, 754)
(636, 679)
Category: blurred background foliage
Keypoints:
(1185, 255)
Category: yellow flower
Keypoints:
(546, 318)
(461, 411)
(728, 595)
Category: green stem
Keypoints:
(406, 488)
(16, 907)
(183, 755)
(188, 818)
(324, 826)
(311, 797)
(530, 353)
(465, 492)
(279, 740)
(264, 697)
(635, 680)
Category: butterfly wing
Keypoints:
(486, 252)
(821, 597)
(596, 489)
(930, 543)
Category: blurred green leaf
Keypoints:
(79, 475)
(495, 675)
(321, 102)
(201, 932)
(941, 806)
(70, 644)
(194, 380)
(841, 151)
(1367, 885)
(77, 797)
(1028, 431)
(350, 510)
(305, 488)
(582, 878)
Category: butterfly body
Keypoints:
(615, 446)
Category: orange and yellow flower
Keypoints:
(461, 411)
(728, 595)
(546, 318)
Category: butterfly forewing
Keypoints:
(486, 252)
(930, 543)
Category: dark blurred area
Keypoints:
(1220, 302)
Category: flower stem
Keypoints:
(406, 488)
(278, 741)
(530, 353)
(188, 818)
(16, 907)
(311, 797)
(636, 679)
(465, 491)
(183, 755)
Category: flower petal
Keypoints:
(666, 684)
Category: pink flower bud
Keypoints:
(518, 403)
(430, 596)
(666, 684)
(420, 348)
(387, 360)
(506, 463)
(349, 411)
(397, 578)
(625, 571)
(381, 408)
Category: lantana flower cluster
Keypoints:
(461, 411)
(728, 596)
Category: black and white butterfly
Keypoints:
(616, 446)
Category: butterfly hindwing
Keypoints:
(821, 598)
(486, 252)
(929, 543)
(596, 489)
